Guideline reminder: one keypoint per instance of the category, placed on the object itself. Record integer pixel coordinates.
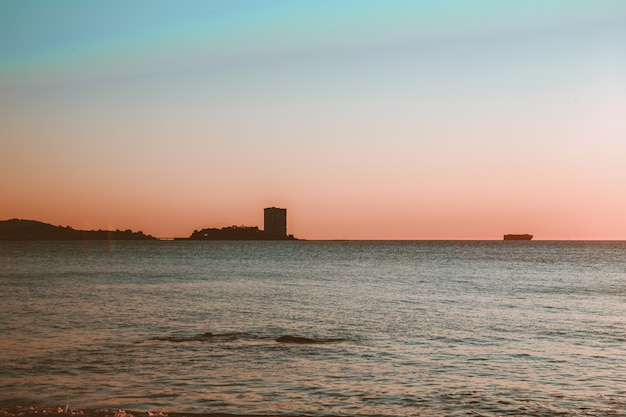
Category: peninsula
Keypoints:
(275, 222)
(17, 229)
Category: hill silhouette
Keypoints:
(17, 229)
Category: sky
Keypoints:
(443, 119)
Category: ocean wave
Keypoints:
(306, 340)
(212, 337)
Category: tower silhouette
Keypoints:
(275, 223)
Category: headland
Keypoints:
(18, 229)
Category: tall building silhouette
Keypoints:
(275, 223)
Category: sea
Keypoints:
(381, 328)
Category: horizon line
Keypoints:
(179, 238)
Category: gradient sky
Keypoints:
(365, 119)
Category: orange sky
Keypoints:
(404, 121)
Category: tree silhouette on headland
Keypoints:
(234, 233)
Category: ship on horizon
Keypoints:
(518, 237)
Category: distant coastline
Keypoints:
(275, 220)
(234, 233)
(20, 230)
(25, 230)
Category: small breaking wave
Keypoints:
(212, 337)
(300, 340)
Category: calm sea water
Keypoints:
(404, 328)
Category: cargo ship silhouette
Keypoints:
(518, 237)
